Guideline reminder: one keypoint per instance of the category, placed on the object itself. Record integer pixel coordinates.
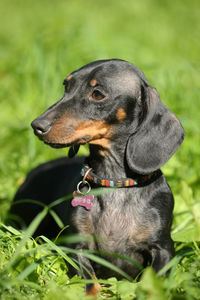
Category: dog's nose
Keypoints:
(41, 126)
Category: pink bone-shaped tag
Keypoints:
(82, 200)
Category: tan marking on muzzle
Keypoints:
(103, 142)
(62, 130)
(99, 132)
(68, 129)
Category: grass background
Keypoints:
(41, 42)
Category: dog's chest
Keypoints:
(116, 219)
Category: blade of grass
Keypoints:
(29, 201)
(60, 252)
(182, 225)
(60, 232)
(60, 200)
(125, 258)
(173, 262)
(11, 229)
(27, 271)
(75, 238)
(56, 218)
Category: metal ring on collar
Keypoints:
(86, 183)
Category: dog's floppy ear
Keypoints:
(157, 139)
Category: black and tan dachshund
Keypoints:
(109, 105)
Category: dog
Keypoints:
(109, 105)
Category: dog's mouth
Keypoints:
(81, 141)
(57, 145)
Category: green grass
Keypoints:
(41, 42)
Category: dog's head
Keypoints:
(107, 102)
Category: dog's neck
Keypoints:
(111, 169)
(108, 163)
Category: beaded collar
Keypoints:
(141, 180)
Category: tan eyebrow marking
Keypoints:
(93, 82)
(121, 114)
(69, 77)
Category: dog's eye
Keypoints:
(97, 95)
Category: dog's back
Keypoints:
(46, 183)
